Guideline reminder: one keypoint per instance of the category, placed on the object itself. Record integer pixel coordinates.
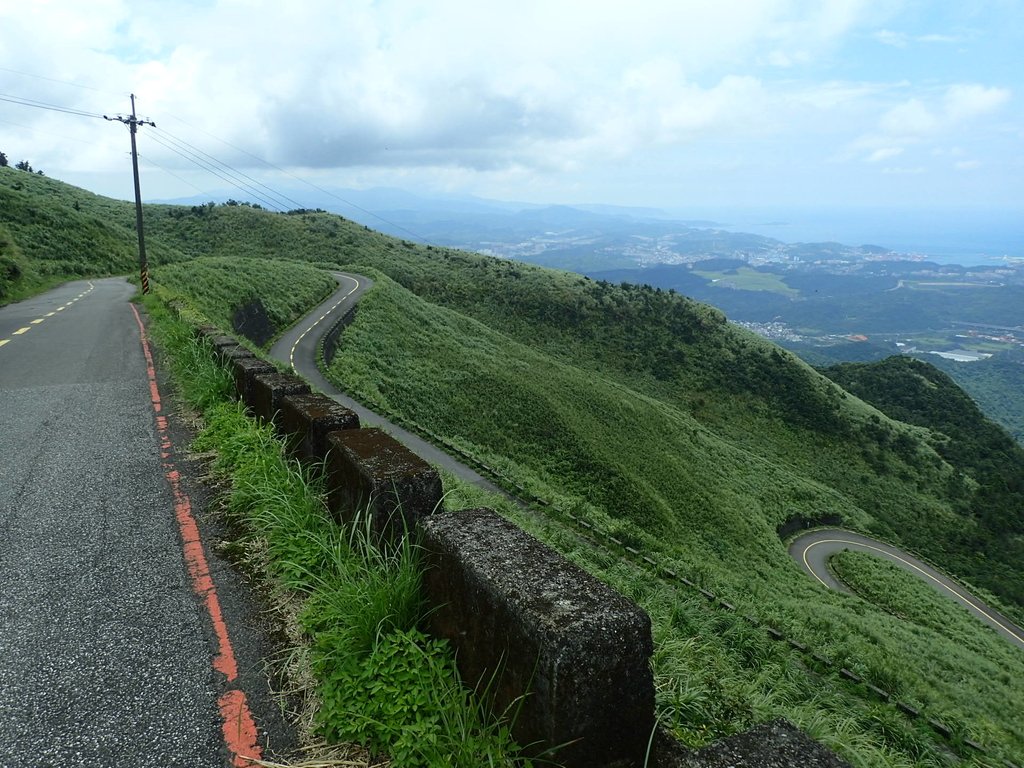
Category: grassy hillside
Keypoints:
(651, 474)
(995, 384)
(653, 418)
(57, 232)
(990, 462)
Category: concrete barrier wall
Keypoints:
(529, 627)
(524, 620)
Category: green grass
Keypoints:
(749, 279)
(381, 682)
(652, 475)
(649, 415)
(910, 599)
(716, 674)
(217, 286)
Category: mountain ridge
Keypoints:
(652, 417)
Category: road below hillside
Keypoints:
(298, 346)
(109, 653)
(812, 551)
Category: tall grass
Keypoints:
(380, 681)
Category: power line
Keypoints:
(213, 169)
(45, 133)
(327, 192)
(229, 169)
(237, 177)
(55, 80)
(155, 164)
(218, 168)
(51, 107)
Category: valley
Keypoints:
(650, 417)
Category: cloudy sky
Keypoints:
(677, 103)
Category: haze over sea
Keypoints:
(948, 236)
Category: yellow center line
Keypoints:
(811, 570)
(291, 352)
(37, 321)
(923, 573)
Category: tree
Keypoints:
(3, 160)
(23, 166)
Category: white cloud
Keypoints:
(911, 119)
(889, 37)
(967, 165)
(884, 153)
(903, 40)
(455, 91)
(904, 171)
(320, 83)
(966, 102)
(950, 112)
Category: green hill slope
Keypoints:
(990, 500)
(995, 384)
(650, 473)
(652, 417)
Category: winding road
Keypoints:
(298, 347)
(813, 550)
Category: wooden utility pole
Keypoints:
(133, 124)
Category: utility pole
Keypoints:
(133, 124)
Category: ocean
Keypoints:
(947, 236)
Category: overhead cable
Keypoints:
(211, 168)
(55, 80)
(308, 183)
(229, 169)
(51, 107)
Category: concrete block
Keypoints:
(526, 622)
(207, 331)
(220, 341)
(306, 420)
(227, 355)
(778, 744)
(370, 468)
(244, 369)
(269, 389)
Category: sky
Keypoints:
(685, 105)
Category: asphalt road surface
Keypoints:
(812, 552)
(297, 347)
(108, 656)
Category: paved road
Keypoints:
(298, 348)
(107, 657)
(812, 551)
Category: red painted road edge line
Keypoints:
(240, 735)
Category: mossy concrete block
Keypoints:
(525, 622)
(368, 468)
(244, 369)
(268, 390)
(777, 744)
(227, 355)
(219, 341)
(207, 331)
(306, 420)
